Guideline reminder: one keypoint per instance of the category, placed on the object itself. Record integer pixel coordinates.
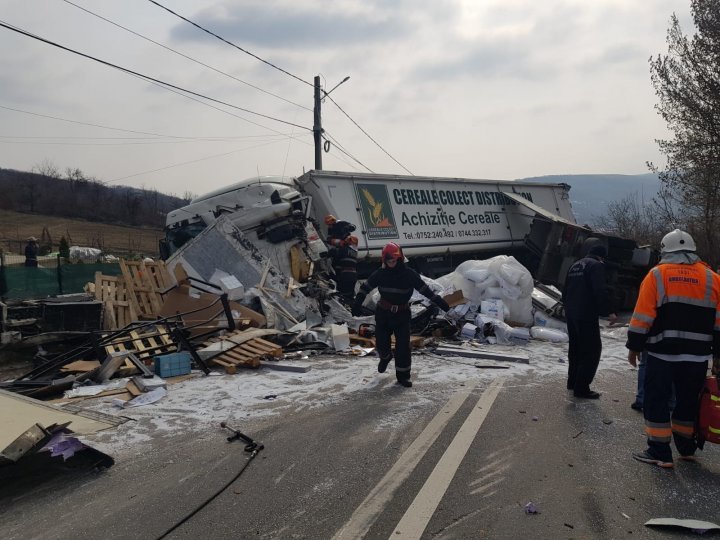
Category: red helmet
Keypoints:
(392, 251)
(330, 219)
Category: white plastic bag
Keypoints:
(548, 334)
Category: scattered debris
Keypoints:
(694, 525)
(531, 508)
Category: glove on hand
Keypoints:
(442, 304)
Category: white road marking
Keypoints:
(418, 515)
(374, 504)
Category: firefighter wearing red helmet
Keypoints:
(395, 282)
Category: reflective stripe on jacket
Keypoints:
(677, 312)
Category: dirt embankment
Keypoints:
(16, 227)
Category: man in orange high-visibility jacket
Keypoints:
(677, 320)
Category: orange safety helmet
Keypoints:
(330, 219)
(352, 240)
(392, 251)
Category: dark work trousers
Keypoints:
(660, 377)
(583, 353)
(346, 284)
(387, 324)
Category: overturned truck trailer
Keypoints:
(439, 222)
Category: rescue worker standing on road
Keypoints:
(395, 282)
(585, 297)
(677, 320)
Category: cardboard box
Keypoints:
(178, 300)
(455, 299)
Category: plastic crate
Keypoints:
(172, 365)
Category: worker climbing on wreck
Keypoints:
(395, 282)
(343, 248)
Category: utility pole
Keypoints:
(317, 126)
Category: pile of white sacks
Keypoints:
(499, 291)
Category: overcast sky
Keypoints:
(496, 89)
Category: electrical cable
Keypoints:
(194, 161)
(253, 448)
(365, 132)
(196, 25)
(164, 84)
(186, 56)
(340, 147)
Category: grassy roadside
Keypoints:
(16, 227)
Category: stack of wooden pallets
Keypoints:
(118, 309)
(136, 295)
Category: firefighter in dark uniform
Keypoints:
(345, 265)
(395, 281)
(343, 248)
(585, 297)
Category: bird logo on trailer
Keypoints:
(377, 211)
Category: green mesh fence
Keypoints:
(24, 283)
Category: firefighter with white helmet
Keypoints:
(395, 282)
(677, 321)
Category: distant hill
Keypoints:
(84, 198)
(591, 193)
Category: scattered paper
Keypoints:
(143, 399)
(95, 389)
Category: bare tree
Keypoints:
(47, 168)
(687, 83)
(631, 218)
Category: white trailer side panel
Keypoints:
(432, 215)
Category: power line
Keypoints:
(145, 77)
(366, 134)
(186, 56)
(196, 25)
(192, 161)
(138, 132)
(340, 147)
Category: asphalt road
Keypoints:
(462, 462)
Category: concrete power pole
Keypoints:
(317, 126)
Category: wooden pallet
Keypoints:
(118, 309)
(247, 354)
(145, 281)
(146, 343)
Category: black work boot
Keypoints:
(407, 383)
(383, 364)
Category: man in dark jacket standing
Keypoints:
(396, 283)
(585, 297)
(31, 252)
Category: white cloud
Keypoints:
(492, 89)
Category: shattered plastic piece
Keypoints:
(530, 508)
(695, 525)
(535, 418)
(62, 445)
